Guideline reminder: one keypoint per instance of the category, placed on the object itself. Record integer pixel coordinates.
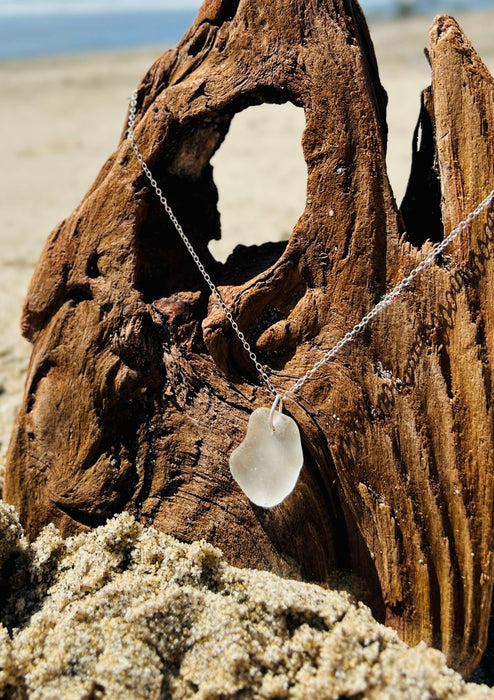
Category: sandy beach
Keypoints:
(125, 612)
(63, 116)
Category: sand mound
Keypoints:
(127, 612)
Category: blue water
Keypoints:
(31, 28)
(430, 7)
(43, 35)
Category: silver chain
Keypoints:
(348, 337)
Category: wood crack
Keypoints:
(399, 476)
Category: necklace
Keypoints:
(267, 464)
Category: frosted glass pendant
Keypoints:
(267, 464)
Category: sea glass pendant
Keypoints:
(267, 464)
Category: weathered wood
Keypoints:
(461, 108)
(138, 390)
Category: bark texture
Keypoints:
(138, 389)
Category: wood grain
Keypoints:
(138, 389)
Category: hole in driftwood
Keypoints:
(261, 177)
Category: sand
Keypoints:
(63, 116)
(127, 612)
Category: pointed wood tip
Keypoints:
(442, 26)
(446, 29)
(447, 36)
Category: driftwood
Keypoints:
(138, 390)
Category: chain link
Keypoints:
(357, 328)
(130, 135)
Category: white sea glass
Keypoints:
(267, 464)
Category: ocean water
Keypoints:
(37, 34)
(400, 7)
(30, 28)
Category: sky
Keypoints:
(33, 7)
(44, 6)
